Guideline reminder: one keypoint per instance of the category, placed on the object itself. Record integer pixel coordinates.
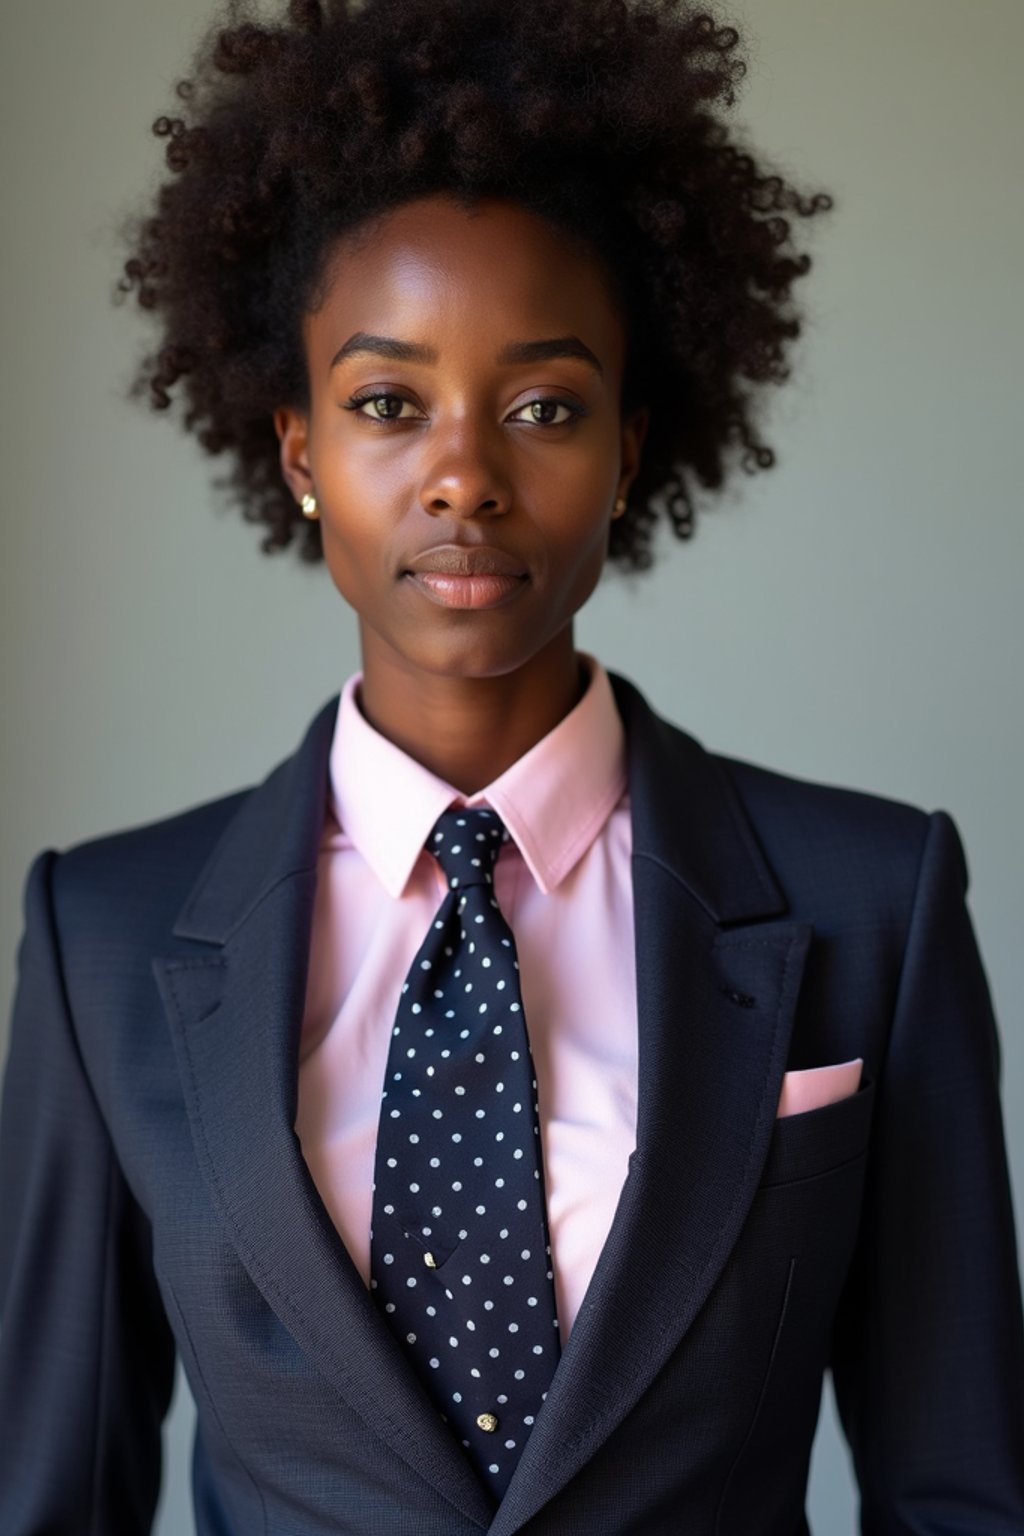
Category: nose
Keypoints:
(466, 476)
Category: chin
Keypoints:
(470, 656)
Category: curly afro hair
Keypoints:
(604, 116)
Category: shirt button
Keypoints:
(430, 1261)
(487, 1422)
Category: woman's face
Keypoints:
(464, 440)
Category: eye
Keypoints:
(543, 410)
(387, 406)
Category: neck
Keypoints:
(468, 730)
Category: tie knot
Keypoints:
(466, 844)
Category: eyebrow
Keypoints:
(542, 351)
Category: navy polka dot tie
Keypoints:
(460, 1259)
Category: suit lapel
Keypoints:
(235, 1017)
(715, 1008)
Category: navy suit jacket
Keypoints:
(155, 1198)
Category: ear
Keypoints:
(633, 434)
(292, 429)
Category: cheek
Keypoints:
(364, 497)
(352, 554)
(578, 542)
(589, 567)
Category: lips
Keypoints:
(466, 576)
(466, 560)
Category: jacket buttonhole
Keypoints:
(742, 999)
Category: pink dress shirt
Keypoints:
(564, 885)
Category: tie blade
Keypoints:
(460, 1251)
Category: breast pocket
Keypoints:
(807, 1145)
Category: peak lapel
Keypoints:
(715, 1010)
(235, 1017)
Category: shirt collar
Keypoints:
(554, 800)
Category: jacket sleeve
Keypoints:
(928, 1359)
(86, 1354)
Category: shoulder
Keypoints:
(137, 873)
(869, 849)
(850, 849)
(791, 809)
(125, 889)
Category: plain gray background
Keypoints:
(852, 616)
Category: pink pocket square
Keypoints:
(815, 1086)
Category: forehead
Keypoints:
(495, 270)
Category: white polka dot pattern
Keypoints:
(460, 1260)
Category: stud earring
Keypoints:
(309, 505)
(620, 506)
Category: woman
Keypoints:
(555, 1222)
